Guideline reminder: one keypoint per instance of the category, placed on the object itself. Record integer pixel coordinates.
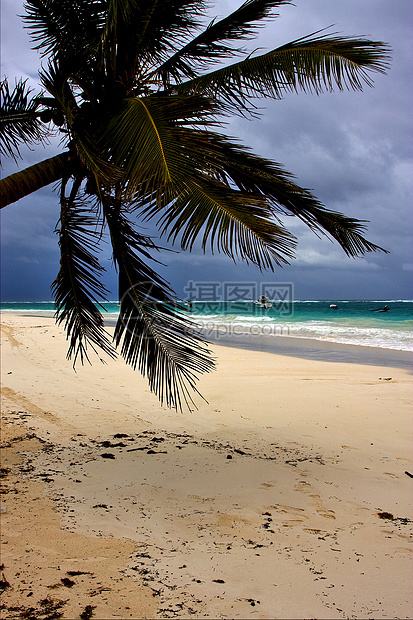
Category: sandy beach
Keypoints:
(285, 495)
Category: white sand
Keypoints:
(286, 528)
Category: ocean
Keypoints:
(353, 322)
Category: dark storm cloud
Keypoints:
(353, 150)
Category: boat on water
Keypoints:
(334, 306)
(384, 309)
(263, 302)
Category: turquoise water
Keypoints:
(354, 322)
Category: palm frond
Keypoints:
(239, 224)
(156, 339)
(72, 27)
(140, 35)
(138, 141)
(77, 289)
(213, 42)
(347, 231)
(117, 14)
(143, 140)
(311, 64)
(19, 118)
(252, 173)
(24, 182)
(154, 158)
(103, 171)
(162, 22)
(235, 166)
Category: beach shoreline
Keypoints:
(292, 473)
(290, 346)
(319, 350)
(353, 323)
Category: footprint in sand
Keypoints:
(403, 550)
(320, 509)
(393, 534)
(202, 499)
(294, 522)
(387, 473)
(314, 531)
(327, 514)
(283, 509)
(302, 486)
(305, 487)
(297, 515)
(233, 521)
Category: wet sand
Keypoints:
(285, 496)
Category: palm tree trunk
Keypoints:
(29, 180)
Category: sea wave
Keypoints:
(313, 319)
(386, 338)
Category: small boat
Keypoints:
(334, 306)
(384, 309)
(263, 302)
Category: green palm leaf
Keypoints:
(139, 142)
(162, 344)
(235, 166)
(148, 147)
(77, 289)
(310, 64)
(236, 223)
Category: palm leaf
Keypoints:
(162, 344)
(117, 14)
(104, 172)
(119, 11)
(138, 141)
(144, 141)
(194, 173)
(77, 289)
(148, 147)
(72, 27)
(347, 231)
(19, 118)
(239, 224)
(233, 165)
(140, 35)
(252, 173)
(210, 44)
(310, 64)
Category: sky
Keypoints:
(353, 150)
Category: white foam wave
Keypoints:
(385, 338)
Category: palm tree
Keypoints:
(138, 90)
